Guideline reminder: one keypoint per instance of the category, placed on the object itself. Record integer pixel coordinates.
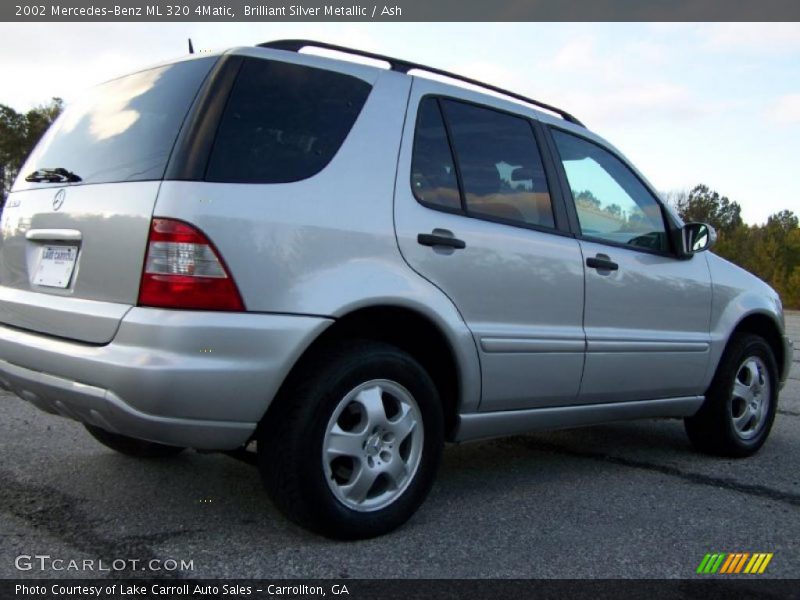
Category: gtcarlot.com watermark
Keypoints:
(45, 562)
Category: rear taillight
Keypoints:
(182, 269)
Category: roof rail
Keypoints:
(404, 66)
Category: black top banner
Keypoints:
(399, 10)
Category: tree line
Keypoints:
(19, 133)
(771, 251)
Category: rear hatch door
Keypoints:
(74, 233)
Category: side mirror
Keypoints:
(697, 237)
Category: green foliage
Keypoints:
(19, 133)
(770, 251)
(707, 206)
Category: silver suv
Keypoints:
(350, 265)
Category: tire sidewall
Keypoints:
(330, 513)
(757, 348)
(129, 446)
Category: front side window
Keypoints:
(500, 165)
(283, 122)
(612, 204)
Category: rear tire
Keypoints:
(132, 446)
(737, 415)
(351, 447)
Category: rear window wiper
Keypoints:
(57, 175)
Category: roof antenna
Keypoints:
(191, 48)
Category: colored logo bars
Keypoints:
(734, 562)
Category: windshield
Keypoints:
(122, 130)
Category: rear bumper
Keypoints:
(197, 379)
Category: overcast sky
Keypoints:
(687, 103)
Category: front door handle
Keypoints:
(439, 239)
(601, 262)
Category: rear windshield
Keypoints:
(122, 130)
(283, 122)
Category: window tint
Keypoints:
(433, 176)
(500, 165)
(123, 130)
(611, 202)
(283, 122)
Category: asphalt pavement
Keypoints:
(623, 500)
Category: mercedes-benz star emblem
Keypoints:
(58, 199)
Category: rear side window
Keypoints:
(433, 174)
(500, 165)
(123, 130)
(283, 122)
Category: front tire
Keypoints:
(132, 446)
(351, 447)
(737, 415)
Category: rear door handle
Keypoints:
(439, 239)
(601, 262)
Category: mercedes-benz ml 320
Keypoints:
(351, 265)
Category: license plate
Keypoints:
(55, 266)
